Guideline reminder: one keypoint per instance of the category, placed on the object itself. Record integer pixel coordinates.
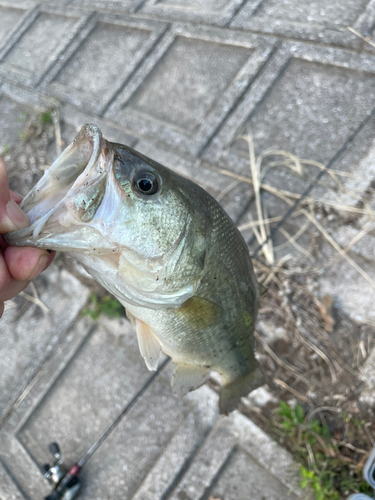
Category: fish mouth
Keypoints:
(70, 191)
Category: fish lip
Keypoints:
(90, 139)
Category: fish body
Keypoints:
(164, 248)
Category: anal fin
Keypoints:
(149, 345)
(186, 378)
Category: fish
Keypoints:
(165, 248)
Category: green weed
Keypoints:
(23, 117)
(5, 150)
(107, 305)
(23, 134)
(46, 117)
(33, 126)
(322, 484)
(325, 469)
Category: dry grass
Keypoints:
(33, 299)
(366, 39)
(262, 226)
(319, 370)
(318, 361)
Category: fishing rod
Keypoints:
(65, 481)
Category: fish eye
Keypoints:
(146, 183)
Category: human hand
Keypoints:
(18, 265)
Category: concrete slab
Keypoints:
(109, 6)
(13, 453)
(45, 34)
(234, 446)
(165, 446)
(212, 11)
(318, 11)
(352, 292)
(8, 488)
(12, 117)
(10, 19)
(304, 92)
(87, 76)
(317, 21)
(111, 130)
(38, 331)
(196, 68)
(20, 15)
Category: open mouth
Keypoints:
(70, 191)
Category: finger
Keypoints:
(11, 215)
(26, 263)
(16, 197)
(3, 245)
(4, 189)
(9, 287)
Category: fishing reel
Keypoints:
(65, 482)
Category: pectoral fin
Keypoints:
(199, 313)
(149, 345)
(186, 378)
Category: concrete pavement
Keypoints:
(179, 81)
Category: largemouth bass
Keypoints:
(164, 248)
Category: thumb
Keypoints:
(12, 216)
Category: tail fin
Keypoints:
(231, 393)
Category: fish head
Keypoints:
(102, 200)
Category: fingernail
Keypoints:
(17, 217)
(41, 265)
